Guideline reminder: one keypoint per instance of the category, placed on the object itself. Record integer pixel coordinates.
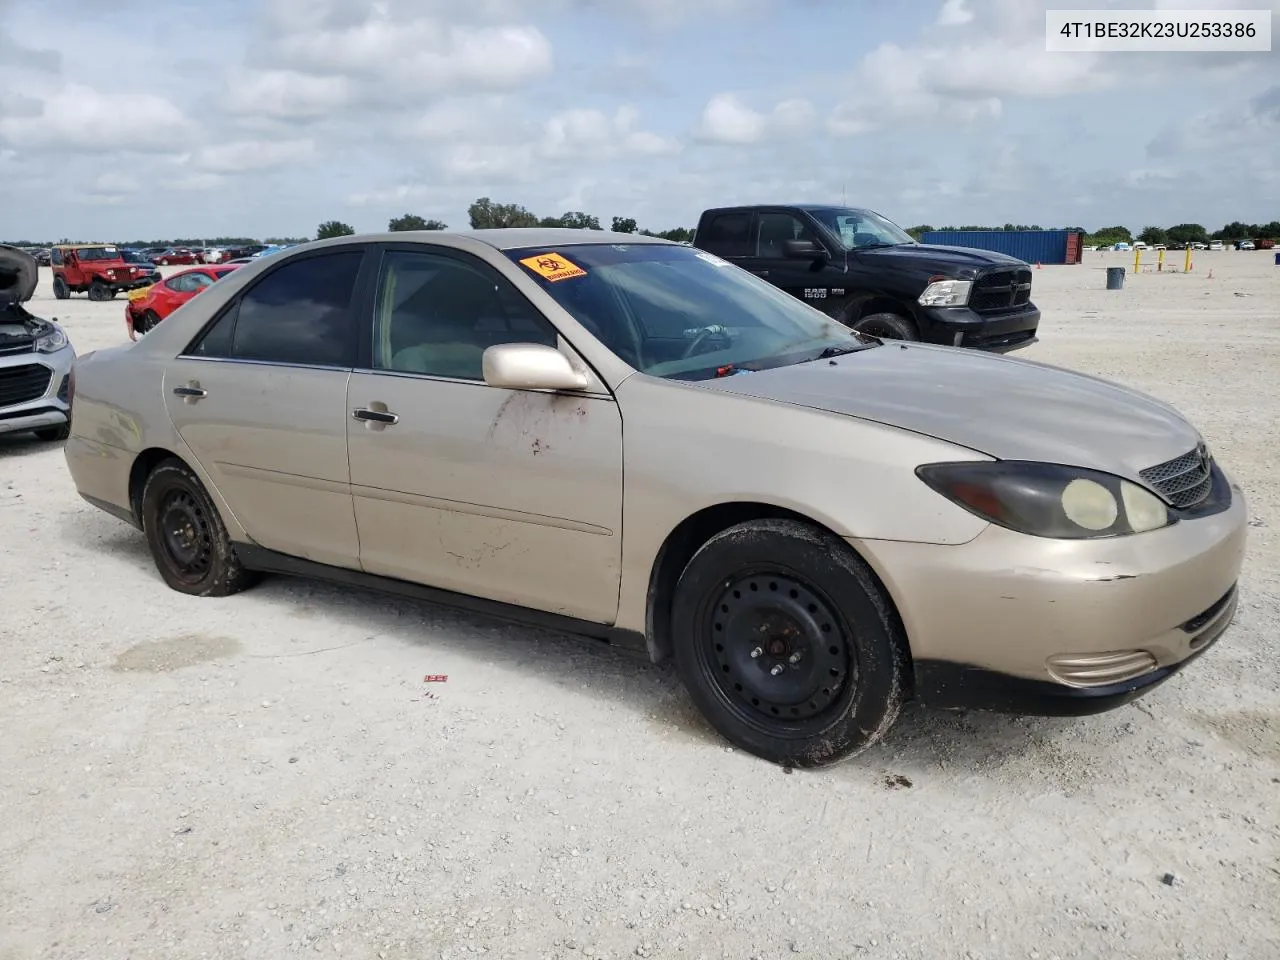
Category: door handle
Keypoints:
(190, 392)
(374, 416)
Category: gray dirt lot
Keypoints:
(269, 774)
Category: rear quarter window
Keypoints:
(727, 234)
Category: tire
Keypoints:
(54, 434)
(98, 291)
(188, 540)
(60, 289)
(146, 323)
(887, 326)
(804, 675)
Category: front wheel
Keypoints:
(60, 289)
(188, 540)
(54, 434)
(99, 291)
(887, 326)
(787, 644)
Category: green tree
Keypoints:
(334, 228)
(1185, 233)
(623, 225)
(484, 214)
(1110, 235)
(1153, 235)
(919, 231)
(573, 220)
(411, 221)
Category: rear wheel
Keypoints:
(887, 326)
(146, 323)
(787, 644)
(60, 289)
(99, 291)
(188, 540)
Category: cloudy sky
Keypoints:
(143, 119)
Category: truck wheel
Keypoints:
(787, 644)
(60, 289)
(99, 291)
(887, 326)
(188, 541)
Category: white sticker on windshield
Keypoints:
(712, 258)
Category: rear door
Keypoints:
(260, 400)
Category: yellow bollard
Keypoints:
(1137, 260)
(1186, 265)
(1160, 262)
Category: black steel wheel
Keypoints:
(777, 648)
(60, 289)
(788, 644)
(188, 540)
(99, 291)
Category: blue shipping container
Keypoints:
(1031, 246)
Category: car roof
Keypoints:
(508, 238)
(82, 246)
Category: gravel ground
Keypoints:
(268, 774)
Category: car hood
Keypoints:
(931, 256)
(1007, 408)
(18, 275)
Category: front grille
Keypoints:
(22, 384)
(1001, 290)
(12, 345)
(1184, 481)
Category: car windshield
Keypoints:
(98, 253)
(676, 312)
(860, 229)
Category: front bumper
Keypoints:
(995, 333)
(1032, 625)
(35, 410)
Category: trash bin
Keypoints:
(1115, 278)
(1278, 258)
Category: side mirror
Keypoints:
(802, 250)
(530, 366)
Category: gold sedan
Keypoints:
(638, 441)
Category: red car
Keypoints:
(178, 256)
(150, 305)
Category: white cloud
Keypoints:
(954, 13)
(82, 118)
(592, 133)
(286, 94)
(726, 119)
(246, 155)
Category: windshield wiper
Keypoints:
(840, 351)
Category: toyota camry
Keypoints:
(635, 440)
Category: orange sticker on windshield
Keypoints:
(553, 267)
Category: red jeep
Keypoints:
(98, 268)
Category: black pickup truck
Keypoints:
(867, 272)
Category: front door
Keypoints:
(261, 402)
(509, 495)
(805, 280)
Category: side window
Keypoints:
(176, 284)
(56, 256)
(216, 341)
(436, 315)
(302, 312)
(196, 281)
(775, 228)
(729, 235)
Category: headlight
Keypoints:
(51, 339)
(1048, 500)
(946, 293)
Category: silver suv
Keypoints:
(35, 356)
